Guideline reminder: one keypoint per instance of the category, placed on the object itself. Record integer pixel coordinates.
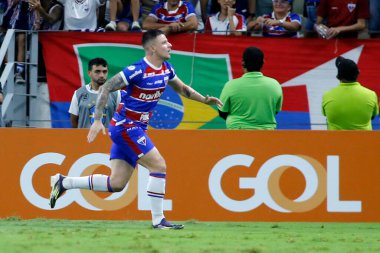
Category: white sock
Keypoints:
(99, 183)
(156, 193)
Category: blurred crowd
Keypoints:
(268, 18)
(281, 18)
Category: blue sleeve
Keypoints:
(295, 17)
(154, 9)
(190, 8)
(132, 74)
(172, 71)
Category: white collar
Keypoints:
(283, 19)
(166, 7)
(217, 17)
(90, 89)
(151, 64)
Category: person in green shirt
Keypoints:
(349, 106)
(253, 100)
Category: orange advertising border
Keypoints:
(213, 175)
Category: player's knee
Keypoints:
(118, 185)
(162, 167)
(159, 167)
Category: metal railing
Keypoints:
(18, 98)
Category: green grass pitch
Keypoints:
(58, 236)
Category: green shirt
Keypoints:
(251, 101)
(350, 106)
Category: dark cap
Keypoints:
(347, 69)
(253, 58)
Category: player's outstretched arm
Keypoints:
(190, 93)
(115, 83)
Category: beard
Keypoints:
(100, 82)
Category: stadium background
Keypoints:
(305, 68)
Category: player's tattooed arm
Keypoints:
(115, 83)
(190, 93)
(185, 90)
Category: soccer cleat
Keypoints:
(135, 26)
(57, 188)
(111, 26)
(164, 224)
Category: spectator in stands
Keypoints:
(51, 12)
(147, 6)
(349, 106)
(124, 14)
(227, 21)
(3, 8)
(198, 12)
(263, 7)
(6, 11)
(247, 8)
(81, 15)
(374, 21)
(209, 8)
(104, 14)
(310, 12)
(172, 16)
(280, 23)
(259, 7)
(82, 105)
(205, 12)
(344, 17)
(253, 100)
(19, 16)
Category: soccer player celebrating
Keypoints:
(144, 83)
